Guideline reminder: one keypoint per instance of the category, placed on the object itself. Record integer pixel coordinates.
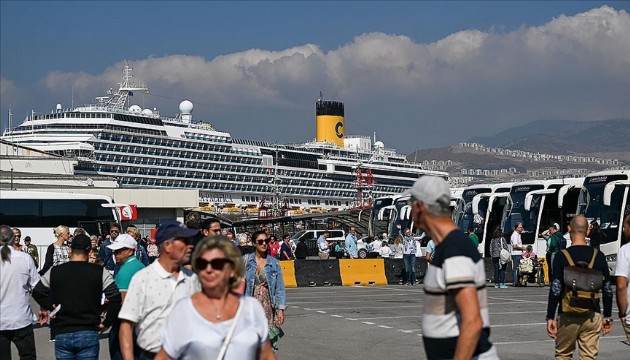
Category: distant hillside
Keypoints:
(564, 137)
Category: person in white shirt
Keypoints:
(217, 317)
(385, 251)
(376, 244)
(154, 289)
(323, 246)
(622, 272)
(517, 249)
(18, 274)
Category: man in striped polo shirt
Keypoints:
(455, 320)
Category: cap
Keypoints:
(556, 226)
(431, 190)
(81, 242)
(171, 229)
(123, 241)
(28, 238)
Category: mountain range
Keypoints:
(564, 137)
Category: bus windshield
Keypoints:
(593, 198)
(466, 218)
(518, 214)
(377, 226)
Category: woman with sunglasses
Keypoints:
(221, 315)
(263, 280)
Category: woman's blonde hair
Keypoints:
(60, 230)
(230, 251)
(134, 232)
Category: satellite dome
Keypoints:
(186, 107)
(135, 109)
(379, 145)
(58, 107)
(147, 112)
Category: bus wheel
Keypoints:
(363, 254)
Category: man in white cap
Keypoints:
(124, 249)
(455, 276)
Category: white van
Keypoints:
(311, 236)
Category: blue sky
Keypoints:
(407, 70)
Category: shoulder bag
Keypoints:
(228, 338)
(504, 255)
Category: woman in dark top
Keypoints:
(596, 234)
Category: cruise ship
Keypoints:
(143, 149)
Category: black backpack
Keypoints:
(582, 284)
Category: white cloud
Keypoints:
(467, 84)
(7, 88)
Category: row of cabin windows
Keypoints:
(188, 155)
(167, 142)
(178, 183)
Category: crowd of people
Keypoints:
(150, 294)
(157, 298)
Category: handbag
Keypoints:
(504, 255)
(228, 338)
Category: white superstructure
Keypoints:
(141, 148)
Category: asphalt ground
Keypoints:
(384, 322)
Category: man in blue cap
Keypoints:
(154, 289)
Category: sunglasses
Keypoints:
(114, 232)
(216, 264)
(261, 241)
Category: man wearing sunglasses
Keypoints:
(154, 289)
(455, 319)
(105, 253)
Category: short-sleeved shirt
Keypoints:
(515, 240)
(409, 245)
(16, 278)
(188, 335)
(623, 269)
(456, 264)
(322, 245)
(150, 297)
(127, 270)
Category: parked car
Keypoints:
(311, 236)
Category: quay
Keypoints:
(384, 322)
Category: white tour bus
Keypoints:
(538, 204)
(487, 209)
(472, 210)
(36, 214)
(605, 198)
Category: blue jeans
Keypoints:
(516, 260)
(77, 345)
(409, 261)
(499, 271)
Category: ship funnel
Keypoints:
(330, 121)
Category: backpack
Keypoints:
(526, 265)
(582, 284)
(504, 255)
